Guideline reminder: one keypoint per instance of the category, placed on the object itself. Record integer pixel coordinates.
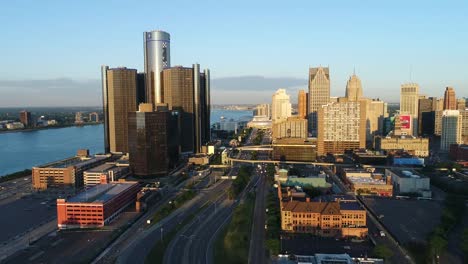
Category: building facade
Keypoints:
(294, 149)
(319, 94)
(450, 100)
(292, 127)
(407, 181)
(97, 206)
(451, 129)
(119, 95)
(353, 89)
(153, 141)
(341, 127)
(409, 99)
(157, 53)
(280, 106)
(263, 110)
(26, 118)
(106, 173)
(302, 104)
(416, 146)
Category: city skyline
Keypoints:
(386, 48)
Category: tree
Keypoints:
(382, 251)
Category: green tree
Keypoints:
(382, 251)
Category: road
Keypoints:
(257, 250)
(399, 254)
(140, 247)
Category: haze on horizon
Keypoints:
(52, 51)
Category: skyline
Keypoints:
(386, 48)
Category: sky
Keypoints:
(54, 49)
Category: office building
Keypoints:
(341, 127)
(461, 104)
(153, 140)
(262, 110)
(187, 91)
(464, 125)
(328, 219)
(292, 127)
(376, 113)
(157, 45)
(413, 145)
(450, 100)
(353, 89)
(105, 173)
(302, 104)
(281, 106)
(294, 149)
(459, 152)
(97, 206)
(141, 89)
(93, 117)
(407, 181)
(426, 115)
(451, 129)
(65, 173)
(409, 99)
(26, 118)
(119, 90)
(319, 94)
(364, 182)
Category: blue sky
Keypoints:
(44, 40)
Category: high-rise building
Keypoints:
(450, 100)
(354, 89)
(451, 129)
(376, 113)
(464, 117)
(157, 58)
(409, 99)
(26, 118)
(302, 104)
(153, 140)
(141, 88)
(119, 87)
(263, 110)
(426, 115)
(319, 94)
(281, 106)
(188, 91)
(293, 127)
(438, 109)
(341, 127)
(461, 104)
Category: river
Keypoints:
(22, 150)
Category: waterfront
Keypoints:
(22, 150)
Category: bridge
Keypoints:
(255, 148)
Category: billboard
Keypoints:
(405, 121)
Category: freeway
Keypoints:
(257, 241)
(140, 247)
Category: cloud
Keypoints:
(254, 83)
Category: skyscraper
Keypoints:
(450, 101)
(341, 127)
(280, 106)
(153, 140)
(451, 129)
(409, 99)
(157, 58)
(461, 104)
(426, 115)
(188, 91)
(302, 104)
(119, 97)
(354, 88)
(319, 94)
(26, 118)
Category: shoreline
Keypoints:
(48, 127)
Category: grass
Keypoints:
(156, 254)
(232, 246)
(15, 175)
(169, 208)
(274, 224)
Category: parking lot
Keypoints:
(407, 220)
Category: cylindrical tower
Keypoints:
(157, 57)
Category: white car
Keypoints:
(382, 233)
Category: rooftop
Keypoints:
(101, 193)
(368, 180)
(74, 161)
(407, 173)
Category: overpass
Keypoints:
(256, 148)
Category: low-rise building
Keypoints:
(295, 149)
(408, 182)
(97, 206)
(367, 182)
(316, 182)
(15, 125)
(292, 127)
(417, 146)
(459, 152)
(65, 173)
(105, 173)
(260, 122)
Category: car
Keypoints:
(382, 233)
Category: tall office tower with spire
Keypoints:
(119, 93)
(409, 100)
(319, 94)
(280, 106)
(188, 91)
(157, 58)
(302, 104)
(450, 100)
(354, 89)
(451, 129)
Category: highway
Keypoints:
(257, 250)
(141, 245)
